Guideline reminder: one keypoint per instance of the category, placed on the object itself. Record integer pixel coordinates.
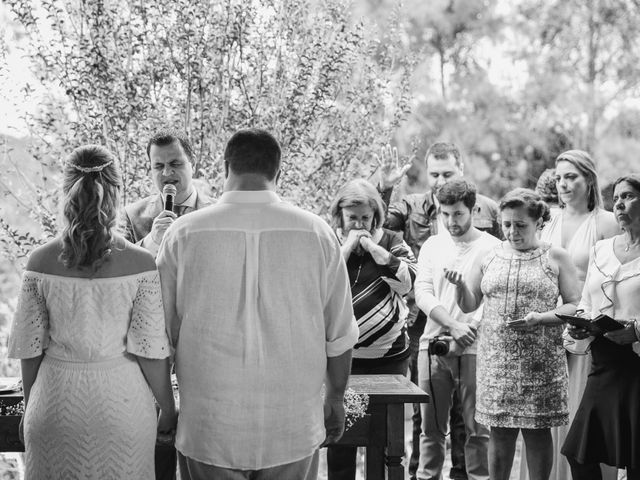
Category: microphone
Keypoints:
(169, 192)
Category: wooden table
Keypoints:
(381, 431)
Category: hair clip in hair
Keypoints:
(98, 168)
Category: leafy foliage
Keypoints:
(512, 83)
(119, 71)
(516, 83)
(586, 57)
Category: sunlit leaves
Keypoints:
(117, 71)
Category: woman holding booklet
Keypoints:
(606, 428)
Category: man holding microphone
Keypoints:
(171, 158)
(147, 220)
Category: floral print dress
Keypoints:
(521, 373)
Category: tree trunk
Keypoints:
(592, 106)
(443, 88)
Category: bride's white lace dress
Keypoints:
(91, 413)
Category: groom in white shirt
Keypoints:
(258, 306)
(454, 249)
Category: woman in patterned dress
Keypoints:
(521, 371)
(89, 330)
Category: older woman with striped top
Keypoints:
(381, 270)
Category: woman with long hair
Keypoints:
(576, 226)
(89, 331)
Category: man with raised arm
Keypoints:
(416, 215)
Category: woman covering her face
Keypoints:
(606, 428)
(521, 367)
(381, 270)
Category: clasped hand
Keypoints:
(463, 334)
(362, 238)
(352, 242)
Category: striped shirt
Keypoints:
(378, 302)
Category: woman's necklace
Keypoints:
(357, 274)
(505, 314)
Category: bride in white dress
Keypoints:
(89, 330)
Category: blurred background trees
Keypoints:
(514, 83)
(117, 71)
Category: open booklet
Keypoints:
(599, 325)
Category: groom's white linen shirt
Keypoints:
(256, 297)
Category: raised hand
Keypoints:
(391, 169)
(454, 277)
